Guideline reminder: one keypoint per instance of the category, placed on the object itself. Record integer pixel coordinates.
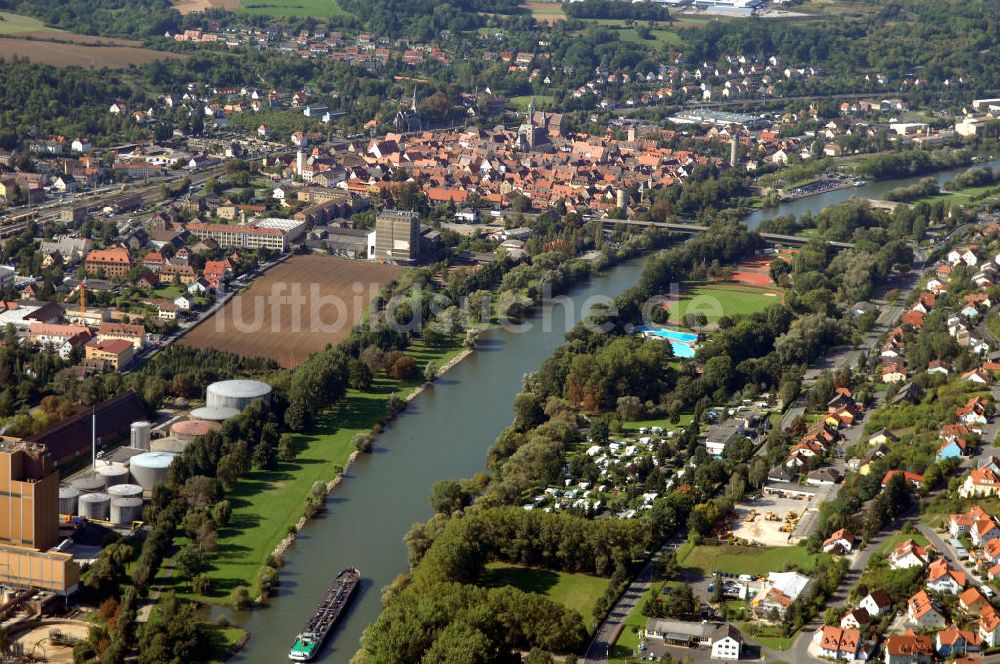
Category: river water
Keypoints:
(444, 434)
(873, 189)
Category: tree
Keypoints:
(360, 376)
(239, 598)
(448, 496)
(404, 368)
(629, 408)
(600, 428)
(430, 371)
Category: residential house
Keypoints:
(943, 579)
(989, 627)
(953, 642)
(134, 334)
(838, 643)
(913, 478)
(909, 554)
(114, 262)
(876, 603)
(841, 541)
(909, 648)
(980, 482)
(855, 619)
(922, 613)
(972, 601)
(114, 354)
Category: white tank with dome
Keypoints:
(237, 394)
(150, 469)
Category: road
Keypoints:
(607, 632)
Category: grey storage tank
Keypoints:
(88, 483)
(237, 394)
(141, 432)
(214, 413)
(68, 500)
(150, 469)
(95, 506)
(126, 510)
(125, 491)
(169, 444)
(113, 473)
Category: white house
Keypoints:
(876, 603)
(728, 644)
(183, 302)
(943, 579)
(838, 643)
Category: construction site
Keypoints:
(769, 520)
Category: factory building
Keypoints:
(29, 513)
(397, 237)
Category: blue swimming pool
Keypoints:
(681, 342)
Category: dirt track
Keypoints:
(332, 294)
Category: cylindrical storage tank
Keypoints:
(141, 432)
(149, 469)
(169, 444)
(125, 491)
(68, 500)
(88, 483)
(113, 473)
(214, 413)
(190, 429)
(125, 510)
(95, 506)
(237, 394)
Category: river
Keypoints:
(445, 433)
(874, 189)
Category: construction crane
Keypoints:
(81, 291)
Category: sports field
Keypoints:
(715, 300)
(295, 309)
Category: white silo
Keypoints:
(68, 500)
(150, 469)
(141, 432)
(95, 506)
(214, 413)
(237, 394)
(125, 491)
(126, 510)
(88, 483)
(112, 472)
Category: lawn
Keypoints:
(628, 640)
(545, 12)
(575, 591)
(659, 37)
(168, 291)
(715, 300)
(305, 8)
(12, 24)
(962, 196)
(768, 636)
(748, 560)
(521, 102)
(221, 640)
(267, 502)
(634, 426)
(890, 543)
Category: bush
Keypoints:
(363, 442)
(404, 368)
(239, 599)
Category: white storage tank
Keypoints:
(112, 472)
(125, 491)
(88, 483)
(68, 500)
(95, 506)
(149, 469)
(214, 413)
(237, 394)
(126, 510)
(141, 432)
(169, 444)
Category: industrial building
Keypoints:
(29, 491)
(111, 420)
(252, 236)
(397, 237)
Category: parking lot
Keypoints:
(763, 519)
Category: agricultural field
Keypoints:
(78, 54)
(575, 591)
(658, 37)
(521, 102)
(260, 322)
(715, 300)
(190, 6)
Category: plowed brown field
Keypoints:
(294, 309)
